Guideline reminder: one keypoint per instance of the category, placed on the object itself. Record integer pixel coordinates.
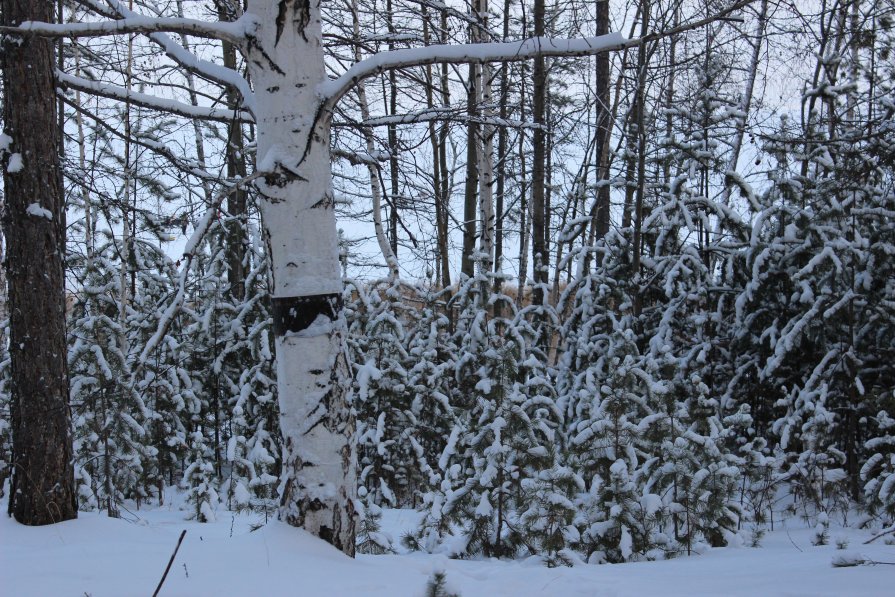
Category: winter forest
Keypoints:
(591, 281)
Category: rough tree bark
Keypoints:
(539, 257)
(443, 192)
(601, 205)
(393, 148)
(236, 169)
(42, 490)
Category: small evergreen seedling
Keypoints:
(848, 560)
(822, 531)
(436, 586)
(756, 537)
(370, 538)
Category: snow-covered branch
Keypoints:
(233, 32)
(189, 253)
(457, 114)
(469, 53)
(203, 68)
(145, 100)
(514, 51)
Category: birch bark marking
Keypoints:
(285, 60)
(486, 152)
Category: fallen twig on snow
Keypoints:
(888, 531)
(171, 561)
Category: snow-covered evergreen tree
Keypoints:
(108, 414)
(199, 481)
(232, 346)
(878, 472)
(386, 455)
(619, 514)
(547, 512)
(696, 472)
(432, 355)
(506, 429)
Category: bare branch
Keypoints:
(516, 51)
(152, 145)
(221, 114)
(448, 114)
(232, 32)
(183, 57)
(189, 253)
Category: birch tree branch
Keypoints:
(331, 91)
(468, 53)
(145, 100)
(180, 55)
(233, 32)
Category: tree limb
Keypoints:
(885, 532)
(150, 101)
(180, 55)
(333, 90)
(233, 32)
(170, 561)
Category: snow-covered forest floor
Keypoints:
(97, 556)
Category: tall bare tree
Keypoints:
(42, 490)
(539, 223)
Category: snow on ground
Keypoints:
(97, 556)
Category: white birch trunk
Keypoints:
(746, 105)
(285, 61)
(486, 174)
(485, 154)
(375, 192)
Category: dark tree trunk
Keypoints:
(442, 274)
(236, 168)
(443, 164)
(640, 98)
(470, 193)
(42, 490)
(540, 258)
(601, 215)
(501, 160)
(394, 167)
